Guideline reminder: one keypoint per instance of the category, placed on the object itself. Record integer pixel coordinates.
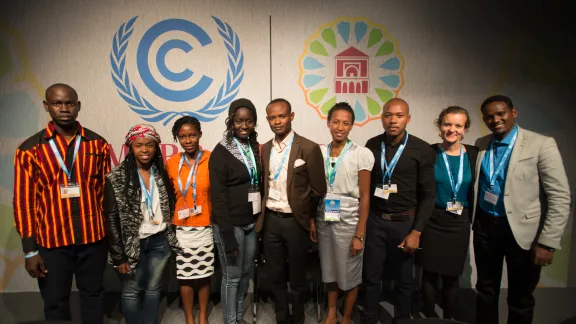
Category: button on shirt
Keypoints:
(276, 155)
(484, 184)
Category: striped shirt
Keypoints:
(41, 216)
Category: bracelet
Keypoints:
(545, 247)
(30, 254)
(359, 238)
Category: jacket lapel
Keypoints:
(294, 151)
(516, 153)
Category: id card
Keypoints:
(454, 207)
(274, 194)
(490, 197)
(379, 192)
(150, 227)
(256, 200)
(390, 189)
(196, 211)
(72, 190)
(183, 213)
(332, 208)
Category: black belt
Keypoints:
(398, 217)
(279, 214)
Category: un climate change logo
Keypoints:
(147, 111)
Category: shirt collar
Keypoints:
(51, 130)
(284, 142)
(508, 139)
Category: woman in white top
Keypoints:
(138, 206)
(341, 220)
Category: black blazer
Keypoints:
(472, 155)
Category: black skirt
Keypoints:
(444, 242)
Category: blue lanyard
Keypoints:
(251, 170)
(148, 195)
(279, 169)
(455, 186)
(192, 171)
(331, 172)
(387, 169)
(59, 157)
(500, 167)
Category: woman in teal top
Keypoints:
(445, 238)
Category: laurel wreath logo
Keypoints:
(210, 111)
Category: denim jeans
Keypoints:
(154, 254)
(236, 271)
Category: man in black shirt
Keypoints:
(403, 193)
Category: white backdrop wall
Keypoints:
(433, 54)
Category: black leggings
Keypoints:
(450, 287)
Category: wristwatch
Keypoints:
(359, 238)
(551, 249)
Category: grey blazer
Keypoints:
(537, 193)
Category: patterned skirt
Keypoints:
(197, 258)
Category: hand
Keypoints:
(35, 266)
(543, 257)
(411, 243)
(313, 235)
(233, 252)
(356, 246)
(123, 268)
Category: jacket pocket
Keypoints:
(533, 212)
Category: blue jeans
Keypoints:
(236, 270)
(154, 254)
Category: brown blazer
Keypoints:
(306, 183)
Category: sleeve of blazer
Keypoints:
(555, 184)
(219, 194)
(426, 189)
(113, 229)
(316, 174)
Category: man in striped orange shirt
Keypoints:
(58, 194)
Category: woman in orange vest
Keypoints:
(188, 172)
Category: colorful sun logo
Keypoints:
(352, 60)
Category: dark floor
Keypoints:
(553, 306)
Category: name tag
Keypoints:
(183, 213)
(454, 207)
(72, 190)
(379, 192)
(390, 189)
(274, 194)
(196, 211)
(256, 199)
(332, 208)
(490, 197)
(151, 227)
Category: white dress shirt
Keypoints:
(278, 149)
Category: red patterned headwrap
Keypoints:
(140, 131)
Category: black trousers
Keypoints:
(286, 240)
(382, 240)
(87, 263)
(494, 241)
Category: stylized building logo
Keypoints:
(352, 60)
(172, 84)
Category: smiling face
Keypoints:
(499, 118)
(189, 138)
(453, 127)
(144, 150)
(340, 125)
(243, 123)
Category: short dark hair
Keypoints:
(277, 100)
(497, 98)
(56, 86)
(341, 106)
(183, 121)
(453, 110)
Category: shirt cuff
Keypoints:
(419, 225)
(29, 244)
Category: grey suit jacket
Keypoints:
(536, 193)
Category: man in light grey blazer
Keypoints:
(523, 204)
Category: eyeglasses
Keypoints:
(58, 104)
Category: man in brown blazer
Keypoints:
(294, 184)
